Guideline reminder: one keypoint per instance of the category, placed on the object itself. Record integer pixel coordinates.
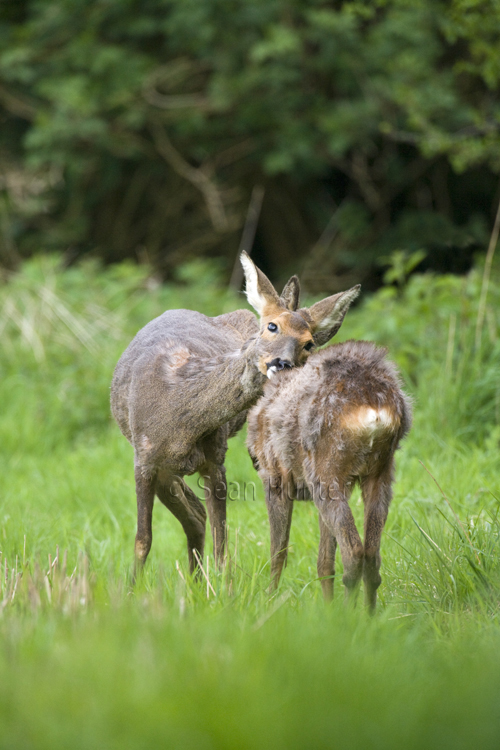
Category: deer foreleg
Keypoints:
(214, 479)
(279, 509)
(326, 558)
(145, 499)
(180, 499)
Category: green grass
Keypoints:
(179, 663)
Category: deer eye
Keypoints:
(272, 327)
(309, 346)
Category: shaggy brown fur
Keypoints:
(314, 434)
(184, 385)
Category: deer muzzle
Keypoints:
(277, 364)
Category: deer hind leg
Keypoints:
(145, 490)
(175, 494)
(326, 558)
(377, 494)
(279, 509)
(337, 517)
(214, 479)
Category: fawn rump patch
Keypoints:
(368, 419)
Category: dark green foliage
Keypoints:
(138, 129)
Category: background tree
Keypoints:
(138, 129)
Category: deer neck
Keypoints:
(251, 379)
(225, 385)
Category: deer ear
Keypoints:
(260, 292)
(328, 315)
(289, 297)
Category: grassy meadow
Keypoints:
(85, 662)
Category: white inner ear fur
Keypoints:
(254, 297)
(337, 311)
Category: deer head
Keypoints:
(288, 335)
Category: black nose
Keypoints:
(279, 364)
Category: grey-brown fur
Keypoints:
(183, 387)
(314, 434)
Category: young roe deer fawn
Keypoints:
(184, 385)
(314, 434)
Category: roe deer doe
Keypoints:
(314, 434)
(184, 385)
